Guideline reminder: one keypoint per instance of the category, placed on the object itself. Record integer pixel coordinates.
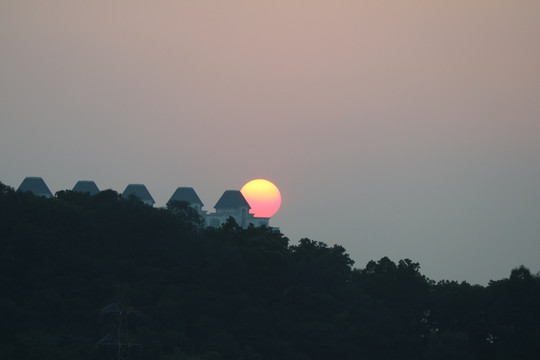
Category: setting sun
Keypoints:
(263, 197)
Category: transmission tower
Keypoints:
(120, 342)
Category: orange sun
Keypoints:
(263, 197)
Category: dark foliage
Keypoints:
(230, 293)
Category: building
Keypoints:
(139, 191)
(188, 195)
(36, 186)
(233, 204)
(86, 186)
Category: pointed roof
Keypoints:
(186, 194)
(86, 186)
(231, 199)
(35, 185)
(140, 191)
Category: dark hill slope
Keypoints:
(229, 293)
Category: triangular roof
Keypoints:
(186, 194)
(231, 199)
(35, 185)
(140, 191)
(86, 186)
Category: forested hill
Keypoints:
(76, 268)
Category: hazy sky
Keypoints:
(408, 129)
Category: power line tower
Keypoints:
(120, 342)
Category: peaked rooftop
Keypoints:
(231, 199)
(186, 194)
(140, 191)
(35, 185)
(86, 186)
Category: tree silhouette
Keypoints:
(233, 293)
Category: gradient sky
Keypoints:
(408, 129)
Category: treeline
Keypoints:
(78, 270)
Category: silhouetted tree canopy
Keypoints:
(231, 293)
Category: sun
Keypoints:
(263, 197)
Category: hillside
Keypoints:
(75, 267)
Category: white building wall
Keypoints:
(241, 216)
